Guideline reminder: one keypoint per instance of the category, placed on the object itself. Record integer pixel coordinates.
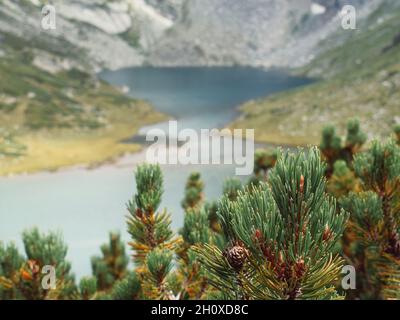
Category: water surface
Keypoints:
(86, 204)
(201, 98)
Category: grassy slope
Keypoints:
(48, 121)
(361, 79)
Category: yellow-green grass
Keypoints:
(54, 120)
(297, 117)
(84, 127)
(52, 149)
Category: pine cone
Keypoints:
(236, 256)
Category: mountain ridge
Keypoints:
(123, 33)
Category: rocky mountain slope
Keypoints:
(119, 33)
(54, 112)
(257, 32)
(361, 78)
(89, 33)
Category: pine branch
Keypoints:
(396, 130)
(343, 180)
(333, 148)
(281, 235)
(159, 265)
(375, 222)
(193, 192)
(153, 240)
(111, 266)
(88, 288)
(231, 188)
(21, 278)
(264, 161)
(196, 229)
(10, 263)
(128, 288)
(148, 228)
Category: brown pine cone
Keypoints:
(236, 256)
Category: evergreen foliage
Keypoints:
(22, 277)
(159, 265)
(264, 160)
(128, 288)
(88, 288)
(153, 240)
(41, 250)
(10, 263)
(333, 148)
(397, 133)
(374, 247)
(343, 180)
(211, 208)
(231, 188)
(149, 229)
(193, 192)
(111, 266)
(196, 229)
(281, 236)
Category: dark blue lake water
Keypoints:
(201, 97)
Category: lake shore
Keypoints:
(54, 150)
